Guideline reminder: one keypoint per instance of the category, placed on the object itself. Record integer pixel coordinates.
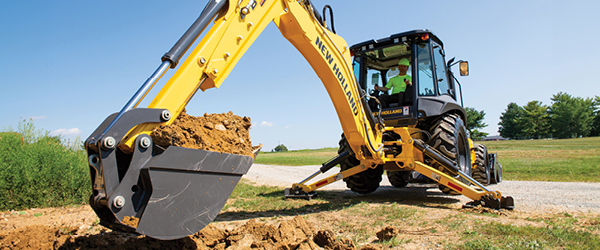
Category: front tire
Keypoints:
(449, 136)
(364, 182)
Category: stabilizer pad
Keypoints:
(506, 202)
(298, 194)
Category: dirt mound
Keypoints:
(35, 237)
(387, 233)
(295, 233)
(225, 133)
(292, 234)
(327, 240)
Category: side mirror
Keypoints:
(464, 68)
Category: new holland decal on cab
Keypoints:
(340, 76)
(398, 111)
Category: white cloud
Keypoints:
(288, 126)
(266, 124)
(66, 132)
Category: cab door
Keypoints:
(444, 86)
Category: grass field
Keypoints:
(297, 157)
(569, 160)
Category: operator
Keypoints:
(397, 84)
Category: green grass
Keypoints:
(561, 231)
(297, 157)
(265, 200)
(569, 160)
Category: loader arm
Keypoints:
(174, 192)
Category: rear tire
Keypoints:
(398, 179)
(449, 136)
(496, 170)
(481, 172)
(364, 182)
(499, 174)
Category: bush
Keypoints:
(40, 172)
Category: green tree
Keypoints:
(510, 125)
(280, 148)
(475, 122)
(571, 116)
(536, 120)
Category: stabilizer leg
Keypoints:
(300, 190)
(485, 197)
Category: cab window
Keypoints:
(440, 70)
(381, 64)
(356, 68)
(425, 70)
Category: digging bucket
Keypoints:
(162, 193)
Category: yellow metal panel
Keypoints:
(448, 181)
(331, 179)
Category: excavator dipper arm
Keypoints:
(174, 192)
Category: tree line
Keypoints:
(566, 117)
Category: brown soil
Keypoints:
(225, 133)
(77, 228)
(387, 233)
(131, 221)
(24, 233)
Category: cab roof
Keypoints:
(386, 41)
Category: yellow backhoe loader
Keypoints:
(174, 192)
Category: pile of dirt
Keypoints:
(387, 233)
(35, 237)
(295, 233)
(292, 234)
(225, 133)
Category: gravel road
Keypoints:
(528, 195)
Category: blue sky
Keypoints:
(69, 64)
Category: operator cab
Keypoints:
(432, 89)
